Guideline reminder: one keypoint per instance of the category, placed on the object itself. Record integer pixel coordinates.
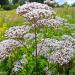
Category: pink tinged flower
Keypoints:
(38, 14)
(19, 64)
(26, 8)
(41, 50)
(69, 38)
(61, 56)
(17, 31)
(50, 22)
(57, 51)
(35, 11)
(45, 47)
(29, 36)
(7, 46)
(61, 19)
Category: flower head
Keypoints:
(19, 64)
(29, 36)
(26, 8)
(57, 51)
(50, 22)
(61, 56)
(35, 11)
(7, 46)
(17, 31)
(38, 14)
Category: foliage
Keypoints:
(14, 1)
(40, 1)
(73, 5)
(7, 7)
(1, 8)
(21, 2)
(4, 2)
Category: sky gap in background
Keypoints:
(68, 1)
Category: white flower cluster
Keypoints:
(35, 11)
(29, 36)
(17, 31)
(61, 19)
(69, 38)
(26, 8)
(62, 56)
(45, 47)
(38, 14)
(19, 64)
(41, 50)
(72, 26)
(57, 51)
(7, 46)
(56, 22)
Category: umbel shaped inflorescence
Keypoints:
(55, 22)
(7, 46)
(17, 32)
(62, 56)
(26, 8)
(35, 11)
(40, 14)
(57, 51)
(19, 64)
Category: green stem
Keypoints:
(36, 49)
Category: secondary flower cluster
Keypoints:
(29, 36)
(62, 56)
(17, 31)
(19, 64)
(35, 11)
(41, 50)
(45, 47)
(56, 22)
(57, 51)
(7, 46)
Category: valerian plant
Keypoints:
(50, 51)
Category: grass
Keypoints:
(9, 19)
(68, 13)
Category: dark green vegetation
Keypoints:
(12, 4)
(9, 19)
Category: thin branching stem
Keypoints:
(36, 48)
